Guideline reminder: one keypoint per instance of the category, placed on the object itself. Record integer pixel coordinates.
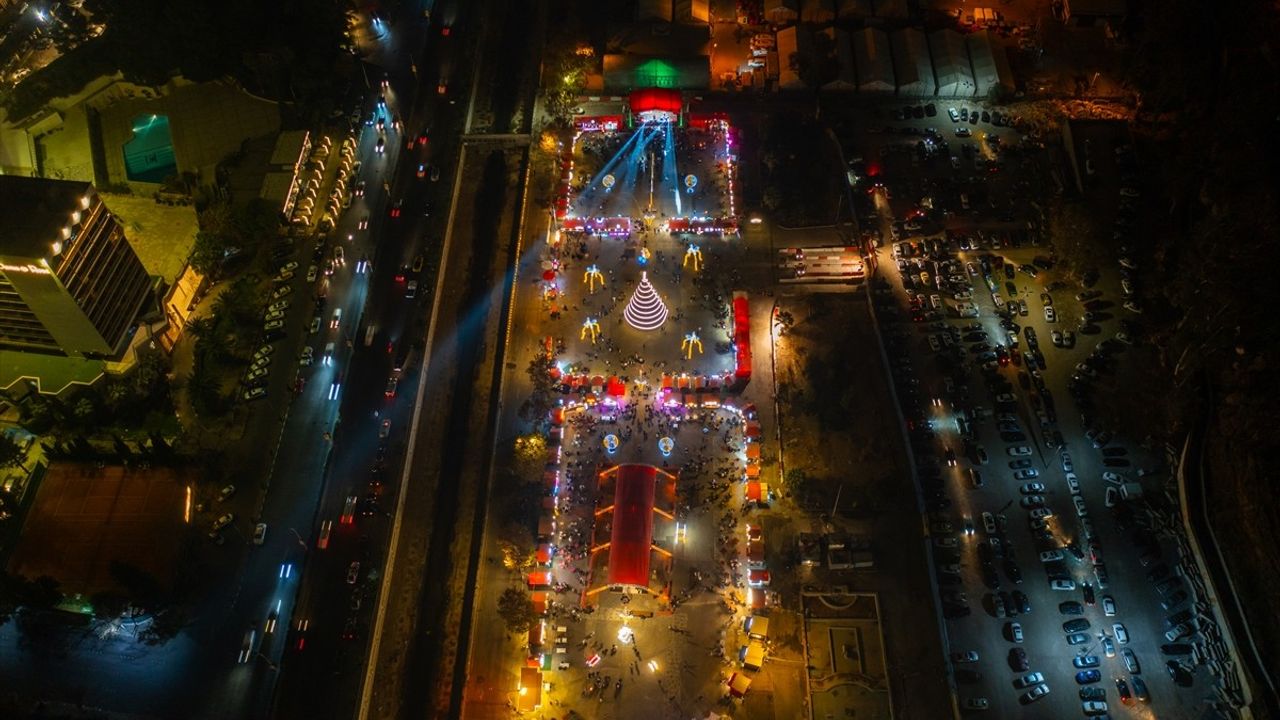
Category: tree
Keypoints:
(208, 253)
(799, 483)
(530, 457)
(516, 609)
(817, 64)
(11, 452)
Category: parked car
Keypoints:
(1086, 677)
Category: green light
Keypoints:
(657, 73)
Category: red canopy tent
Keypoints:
(544, 553)
(540, 578)
(753, 491)
(632, 535)
(616, 387)
(656, 100)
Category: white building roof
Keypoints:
(847, 79)
(990, 65)
(789, 46)
(912, 66)
(951, 64)
(874, 60)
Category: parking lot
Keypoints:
(1036, 517)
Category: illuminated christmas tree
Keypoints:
(645, 310)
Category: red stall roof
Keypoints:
(632, 537)
(743, 366)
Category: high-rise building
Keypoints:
(70, 283)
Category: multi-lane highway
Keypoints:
(301, 611)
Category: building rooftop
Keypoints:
(33, 212)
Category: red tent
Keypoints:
(753, 491)
(632, 536)
(616, 387)
(544, 553)
(540, 578)
(758, 577)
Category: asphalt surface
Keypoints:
(1045, 644)
(329, 633)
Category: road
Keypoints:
(329, 634)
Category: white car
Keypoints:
(259, 533)
(1121, 633)
(1034, 693)
(1050, 315)
(312, 273)
(1073, 483)
(1133, 307)
(307, 357)
(273, 315)
(1028, 680)
(1112, 498)
(1108, 606)
(289, 266)
(246, 647)
(1014, 631)
(1031, 488)
(989, 523)
(1018, 451)
(1114, 478)
(255, 374)
(1094, 707)
(1067, 465)
(1050, 555)
(1081, 509)
(1066, 585)
(1041, 513)
(278, 306)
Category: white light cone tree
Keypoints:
(645, 310)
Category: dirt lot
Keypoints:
(86, 518)
(840, 430)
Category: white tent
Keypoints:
(791, 42)
(847, 80)
(781, 12)
(818, 12)
(951, 64)
(911, 64)
(653, 10)
(990, 64)
(892, 9)
(854, 9)
(874, 60)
